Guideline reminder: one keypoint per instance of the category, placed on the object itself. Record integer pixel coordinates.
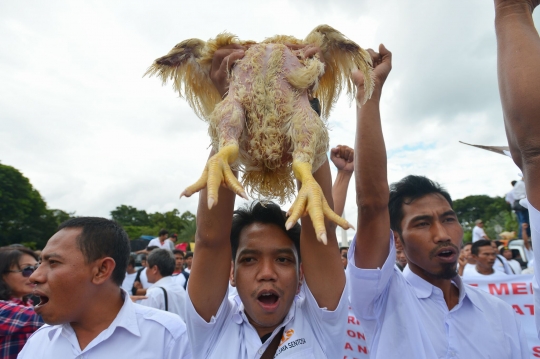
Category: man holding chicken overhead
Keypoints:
(288, 304)
(425, 312)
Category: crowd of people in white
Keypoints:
(260, 285)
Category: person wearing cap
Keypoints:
(478, 231)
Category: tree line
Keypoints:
(26, 219)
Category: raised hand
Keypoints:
(222, 63)
(343, 158)
(382, 65)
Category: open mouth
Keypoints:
(268, 300)
(446, 253)
(43, 299)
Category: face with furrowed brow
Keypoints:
(266, 274)
(431, 236)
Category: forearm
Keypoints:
(370, 159)
(339, 190)
(325, 282)
(518, 54)
(372, 193)
(208, 283)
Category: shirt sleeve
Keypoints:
(367, 286)
(204, 333)
(180, 348)
(329, 325)
(534, 223)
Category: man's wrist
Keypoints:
(503, 9)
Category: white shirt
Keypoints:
(509, 198)
(534, 222)
(144, 279)
(176, 295)
(501, 265)
(136, 332)
(180, 279)
(167, 244)
(518, 192)
(127, 284)
(516, 266)
(404, 316)
(473, 272)
(477, 233)
(311, 332)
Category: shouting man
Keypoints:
(425, 312)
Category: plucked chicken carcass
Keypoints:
(265, 126)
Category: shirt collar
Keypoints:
(424, 289)
(126, 318)
(163, 281)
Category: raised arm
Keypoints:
(372, 193)
(209, 277)
(343, 158)
(326, 281)
(518, 59)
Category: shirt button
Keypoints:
(237, 318)
(261, 351)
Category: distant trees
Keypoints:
(24, 217)
(138, 222)
(493, 211)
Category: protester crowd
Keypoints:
(260, 285)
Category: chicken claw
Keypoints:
(311, 200)
(217, 172)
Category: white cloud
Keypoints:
(80, 121)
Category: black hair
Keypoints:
(480, 243)
(151, 248)
(163, 232)
(188, 254)
(406, 191)
(131, 261)
(164, 260)
(267, 213)
(178, 251)
(10, 257)
(466, 244)
(100, 238)
(513, 183)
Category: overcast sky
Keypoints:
(78, 119)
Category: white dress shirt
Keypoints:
(534, 222)
(477, 234)
(136, 332)
(311, 332)
(176, 295)
(167, 244)
(404, 316)
(129, 279)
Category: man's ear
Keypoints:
(398, 241)
(231, 275)
(102, 270)
(300, 278)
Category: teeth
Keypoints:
(266, 294)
